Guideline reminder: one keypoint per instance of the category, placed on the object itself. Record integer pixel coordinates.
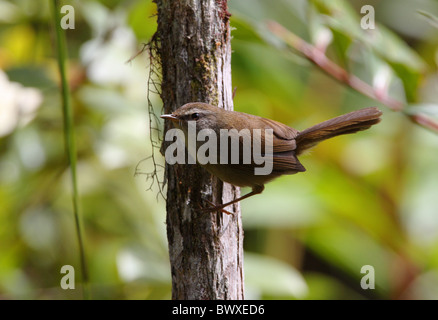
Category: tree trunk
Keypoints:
(206, 250)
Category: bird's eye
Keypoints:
(195, 116)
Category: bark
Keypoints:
(206, 250)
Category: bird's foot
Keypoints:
(215, 208)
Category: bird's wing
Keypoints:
(283, 135)
(284, 145)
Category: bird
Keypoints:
(287, 142)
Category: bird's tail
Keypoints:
(348, 123)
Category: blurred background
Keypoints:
(366, 199)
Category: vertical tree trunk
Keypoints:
(206, 250)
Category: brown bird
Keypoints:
(287, 143)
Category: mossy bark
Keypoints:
(205, 249)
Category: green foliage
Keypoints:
(432, 19)
(366, 199)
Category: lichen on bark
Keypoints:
(205, 250)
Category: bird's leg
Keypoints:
(213, 205)
(255, 190)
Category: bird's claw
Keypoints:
(214, 208)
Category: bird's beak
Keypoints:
(170, 117)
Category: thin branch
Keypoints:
(424, 121)
(70, 144)
(319, 58)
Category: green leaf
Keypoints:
(294, 207)
(272, 277)
(341, 17)
(243, 30)
(339, 14)
(393, 49)
(432, 19)
(345, 24)
(141, 19)
(341, 44)
(349, 249)
(426, 108)
(324, 287)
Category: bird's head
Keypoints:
(204, 115)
